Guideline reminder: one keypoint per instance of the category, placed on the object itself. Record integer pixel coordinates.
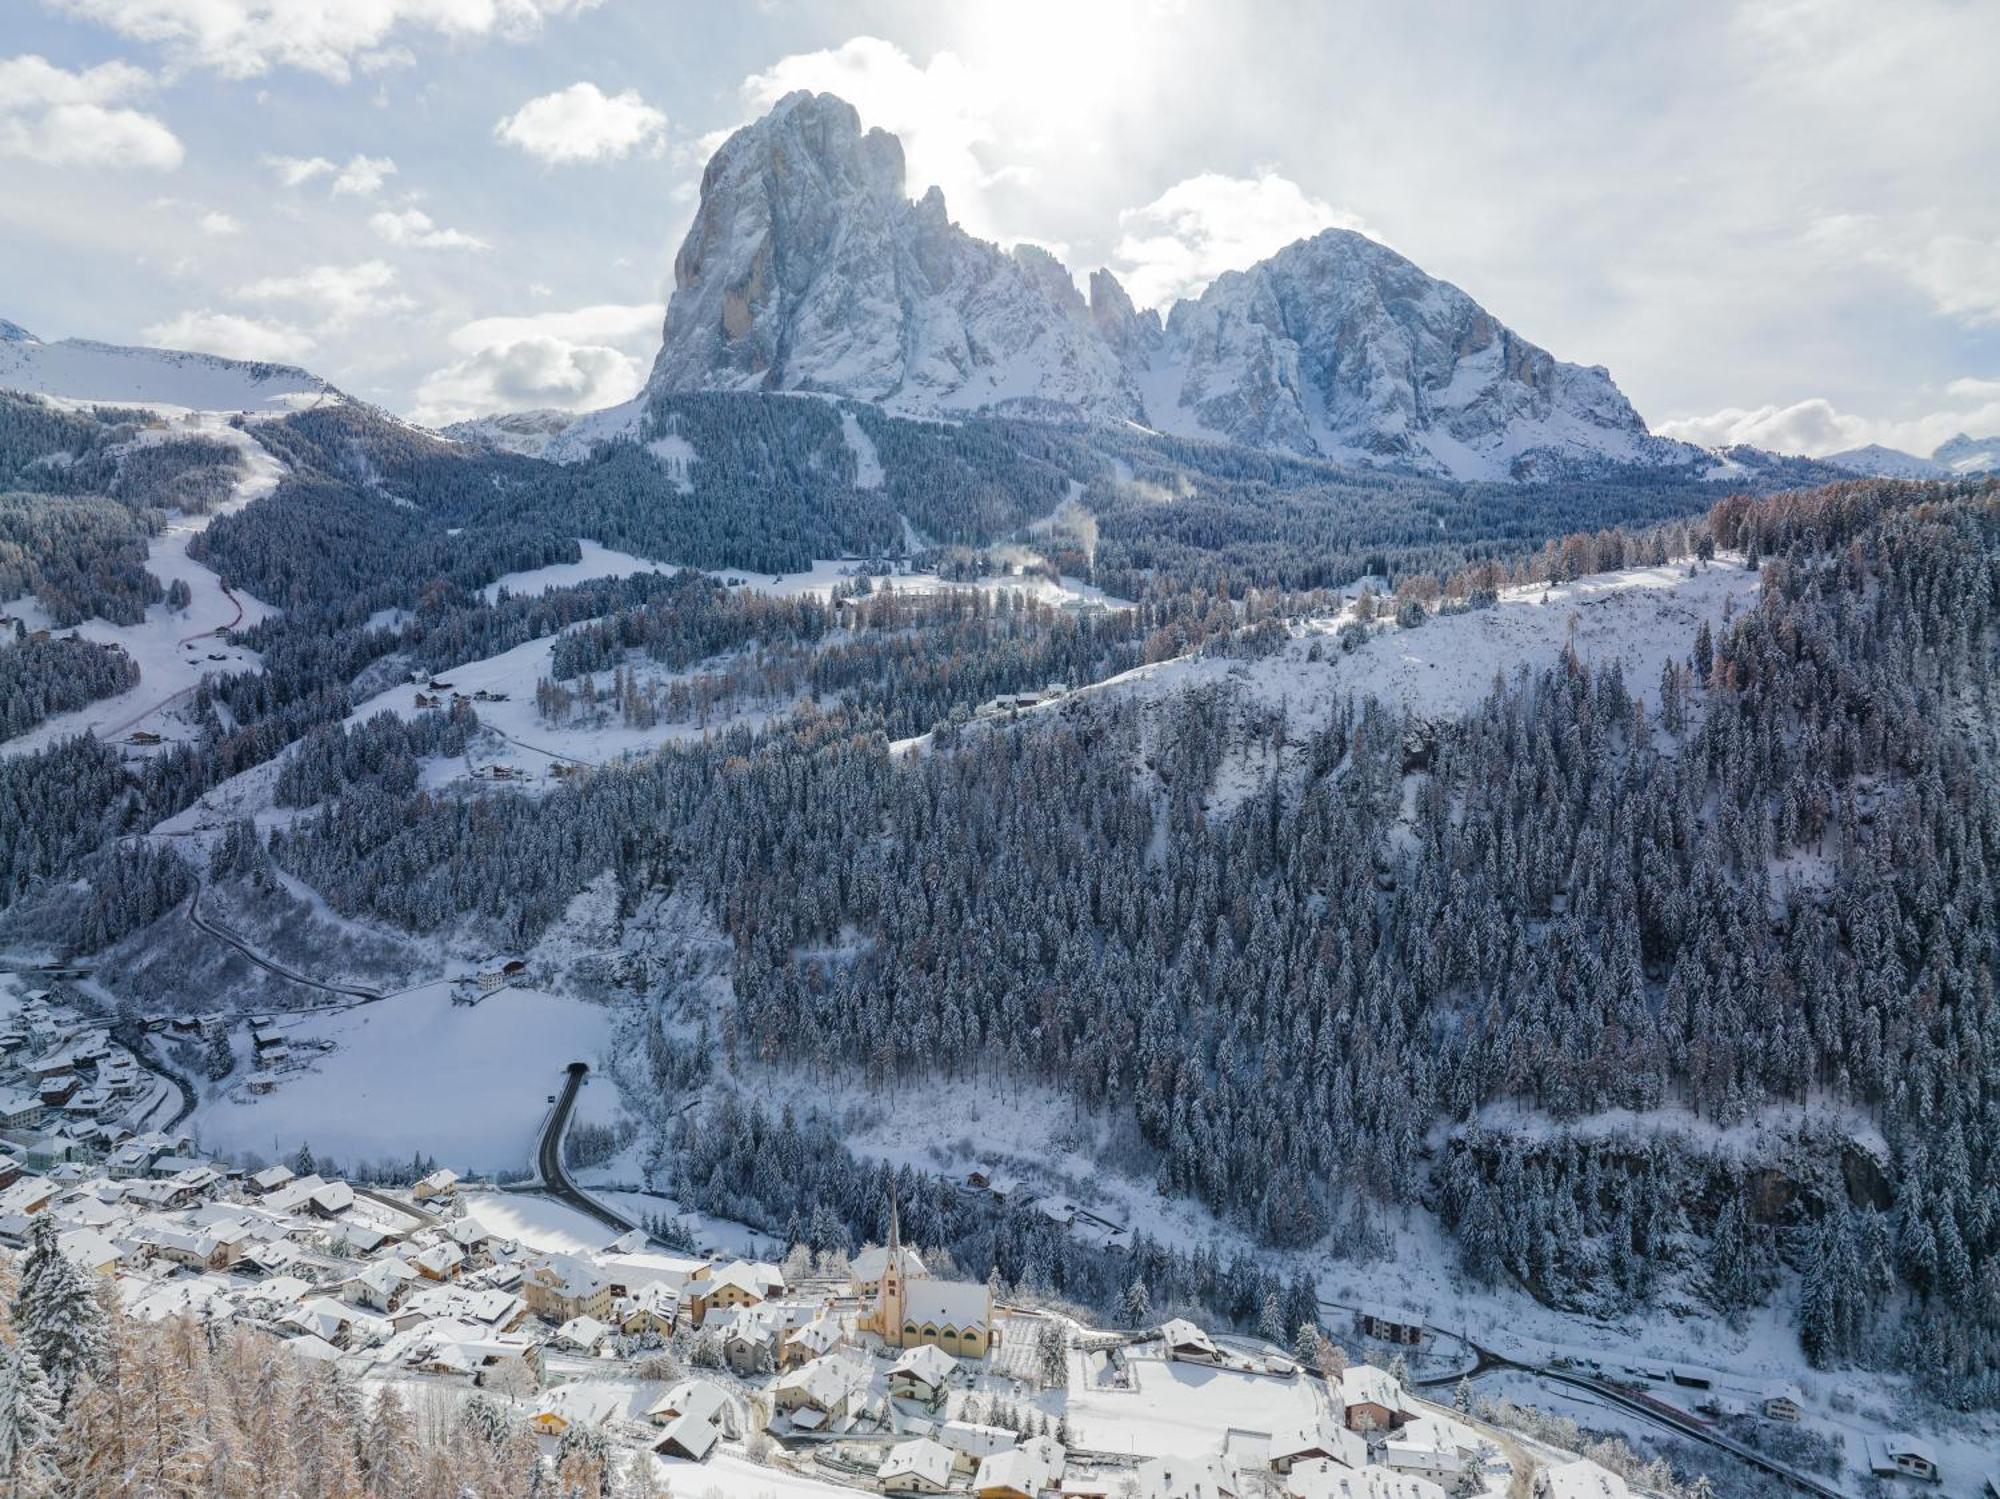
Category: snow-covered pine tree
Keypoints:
(56, 1314)
(29, 1422)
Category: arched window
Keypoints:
(909, 1329)
(930, 1330)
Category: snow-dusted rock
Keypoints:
(1965, 454)
(808, 269)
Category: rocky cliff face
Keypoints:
(808, 269)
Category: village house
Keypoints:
(922, 1373)
(820, 1393)
(1320, 1439)
(1321, 1479)
(1375, 1402)
(439, 1184)
(1024, 1471)
(1783, 1402)
(748, 1337)
(921, 1466)
(380, 1286)
(1188, 1478)
(1189, 1343)
(816, 1339)
(691, 1397)
(1899, 1456)
(650, 1310)
(440, 1261)
(560, 1287)
(1390, 1325)
(1582, 1479)
(739, 1283)
(689, 1438)
(971, 1443)
(585, 1335)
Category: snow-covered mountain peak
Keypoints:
(1965, 454)
(79, 369)
(14, 333)
(808, 268)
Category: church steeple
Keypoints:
(889, 1298)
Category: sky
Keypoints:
(1773, 222)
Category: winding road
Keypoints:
(548, 1157)
(360, 992)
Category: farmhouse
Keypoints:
(1189, 1343)
(922, 1373)
(561, 1287)
(1323, 1439)
(1783, 1402)
(1900, 1456)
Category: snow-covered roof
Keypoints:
(962, 1304)
(927, 1363)
(1210, 1477)
(974, 1439)
(1320, 1478)
(1365, 1384)
(921, 1458)
(1181, 1333)
(691, 1397)
(866, 1267)
(691, 1435)
(1582, 1479)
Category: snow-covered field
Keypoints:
(1183, 1408)
(414, 1072)
(173, 648)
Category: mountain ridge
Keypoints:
(809, 270)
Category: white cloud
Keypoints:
(363, 175)
(245, 38)
(577, 360)
(582, 123)
(1814, 427)
(231, 336)
(337, 293)
(296, 171)
(414, 228)
(219, 224)
(1205, 225)
(943, 112)
(60, 118)
(1959, 272)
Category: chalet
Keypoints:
(821, 1392)
(972, 1443)
(380, 1286)
(560, 1287)
(1898, 1456)
(750, 1337)
(1375, 1401)
(1582, 1479)
(1320, 1439)
(142, 737)
(1024, 1471)
(1439, 1461)
(922, 1373)
(441, 1183)
(689, 1438)
(585, 1335)
(20, 1109)
(1008, 1475)
(1188, 1343)
(89, 1251)
(921, 1466)
(1783, 1402)
(816, 1339)
(548, 1423)
(691, 1397)
(740, 1283)
(651, 1309)
(440, 1262)
(1188, 1478)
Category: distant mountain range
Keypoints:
(81, 369)
(809, 269)
(1952, 458)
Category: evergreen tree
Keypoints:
(29, 1420)
(56, 1314)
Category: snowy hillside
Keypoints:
(79, 369)
(808, 268)
(1969, 455)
